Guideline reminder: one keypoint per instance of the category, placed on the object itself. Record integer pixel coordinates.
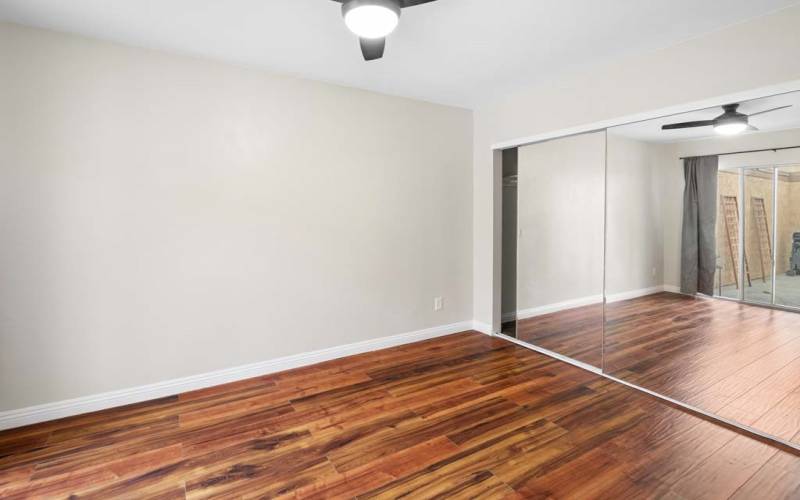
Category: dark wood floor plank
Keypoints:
(770, 482)
(576, 332)
(725, 471)
(736, 360)
(461, 416)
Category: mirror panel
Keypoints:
(635, 242)
(702, 267)
(560, 204)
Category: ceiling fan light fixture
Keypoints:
(371, 19)
(730, 122)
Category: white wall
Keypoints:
(672, 186)
(163, 216)
(746, 56)
(759, 140)
(560, 217)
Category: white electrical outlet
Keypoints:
(654, 272)
(438, 303)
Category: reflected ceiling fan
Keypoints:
(730, 122)
(373, 20)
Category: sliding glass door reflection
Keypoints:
(728, 226)
(758, 235)
(758, 230)
(787, 237)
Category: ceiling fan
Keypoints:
(373, 20)
(728, 123)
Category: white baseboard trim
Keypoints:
(633, 294)
(559, 306)
(585, 301)
(50, 411)
(482, 327)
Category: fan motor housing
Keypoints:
(349, 5)
(730, 115)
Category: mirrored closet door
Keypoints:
(559, 248)
(702, 268)
(667, 255)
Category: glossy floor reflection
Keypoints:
(736, 360)
(576, 333)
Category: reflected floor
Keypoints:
(576, 333)
(787, 291)
(736, 360)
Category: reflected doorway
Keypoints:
(509, 255)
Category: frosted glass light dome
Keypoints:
(371, 18)
(731, 128)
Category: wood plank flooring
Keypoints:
(736, 360)
(462, 416)
(576, 332)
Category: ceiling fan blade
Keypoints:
(703, 123)
(403, 3)
(372, 48)
(411, 3)
(770, 110)
(752, 128)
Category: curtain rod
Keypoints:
(741, 152)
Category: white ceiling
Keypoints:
(650, 130)
(450, 51)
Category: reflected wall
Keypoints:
(560, 217)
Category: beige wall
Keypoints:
(164, 216)
(700, 68)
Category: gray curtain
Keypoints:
(699, 243)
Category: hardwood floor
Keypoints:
(736, 360)
(461, 416)
(576, 332)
